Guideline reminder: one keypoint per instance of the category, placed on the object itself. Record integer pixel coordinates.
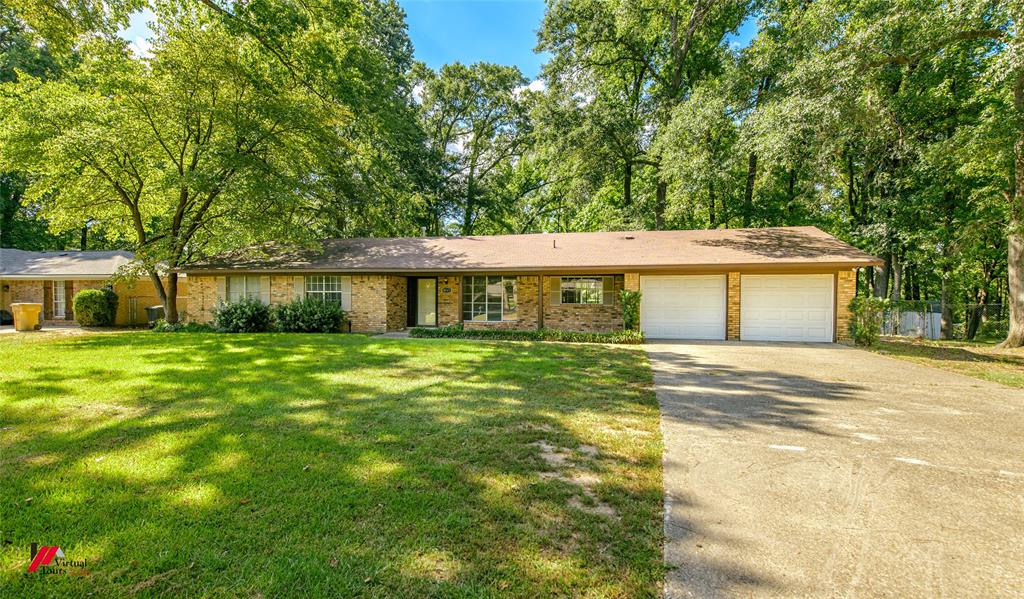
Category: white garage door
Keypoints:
(683, 307)
(786, 307)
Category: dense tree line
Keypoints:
(897, 126)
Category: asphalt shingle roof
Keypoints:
(66, 264)
(618, 250)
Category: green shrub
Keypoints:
(630, 309)
(866, 315)
(993, 329)
(309, 316)
(162, 326)
(95, 307)
(245, 316)
(457, 332)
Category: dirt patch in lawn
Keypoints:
(566, 467)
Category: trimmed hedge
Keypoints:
(457, 332)
(245, 316)
(95, 307)
(309, 316)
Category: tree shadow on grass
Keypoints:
(271, 465)
(950, 353)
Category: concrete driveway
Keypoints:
(822, 470)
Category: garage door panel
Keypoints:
(683, 306)
(786, 307)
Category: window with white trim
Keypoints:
(241, 287)
(59, 300)
(582, 290)
(330, 288)
(489, 299)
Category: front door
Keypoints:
(426, 302)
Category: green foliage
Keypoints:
(993, 329)
(95, 307)
(478, 122)
(630, 309)
(309, 315)
(244, 316)
(458, 332)
(162, 326)
(866, 315)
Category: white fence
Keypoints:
(913, 324)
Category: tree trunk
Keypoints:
(171, 299)
(627, 184)
(791, 204)
(660, 195)
(1015, 245)
(163, 293)
(946, 330)
(1015, 266)
(712, 218)
(467, 214)
(897, 279)
(882, 276)
(976, 313)
(748, 195)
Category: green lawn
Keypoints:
(973, 358)
(271, 465)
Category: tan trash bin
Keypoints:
(26, 316)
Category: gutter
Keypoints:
(646, 269)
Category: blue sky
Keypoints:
(443, 31)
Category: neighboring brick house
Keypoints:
(787, 283)
(53, 278)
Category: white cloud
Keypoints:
(417, 93)
(537, 85)
(141, 47)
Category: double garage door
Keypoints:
(772, 307)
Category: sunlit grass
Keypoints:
(275, 465)
(976, 359)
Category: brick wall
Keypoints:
(33, 292)
(449, 300)
(846, 289)
(142, 293)
(369, 308)
(632, 281)
(587, 318)
(397, 300)
(282, 288)
(26, 291)
(732, 312)
(202, 298)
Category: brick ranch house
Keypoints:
(779, 284)
(53, 278)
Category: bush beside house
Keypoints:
(866, 315)
(630, 309)
(309, 316)
(95, 307)
(245, 316)
(253, 316)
